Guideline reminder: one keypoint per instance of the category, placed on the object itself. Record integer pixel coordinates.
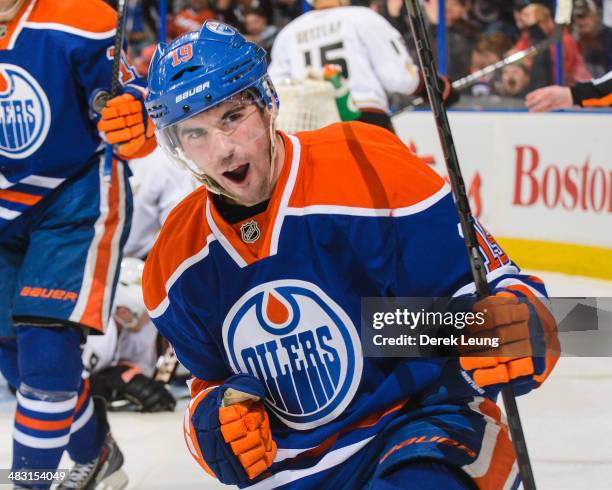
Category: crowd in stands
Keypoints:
(478, 33)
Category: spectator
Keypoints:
(515, 80)
(285, 11)
(234, 11)
(395, 12)
(224, 10)
(494, 16)
(594, 39)
(489, 49)
(190, 18)
(461, 35)
(536, 23)
(258, 30)
(150, 16)
(141, 63)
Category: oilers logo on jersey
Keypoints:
(25, 115)
(305, 348)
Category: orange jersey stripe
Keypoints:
(94, 16)
(184, 234)
(20, 197)
(360, 165)
(503, 457)
(42, 424)
(189, 433)
(198, 385)
(345, 164)
(92, 315)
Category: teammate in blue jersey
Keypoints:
(62, 226)
(257, 278)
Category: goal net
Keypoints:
(306, 104)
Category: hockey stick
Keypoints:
(118, 45)
(563, 16)
(428, 67)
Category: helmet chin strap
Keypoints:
(8, 13)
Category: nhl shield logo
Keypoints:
(25, 115)
(3, 30)
(301, 344)
(250, 231)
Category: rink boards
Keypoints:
(541, 183)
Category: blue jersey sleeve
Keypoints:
(432, 259)
(92, 60)
(191, 343)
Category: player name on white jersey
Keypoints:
(318, 32)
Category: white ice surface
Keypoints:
(567, 422)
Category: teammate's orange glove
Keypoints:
(246, 428)
(522, 356)
(126, 124)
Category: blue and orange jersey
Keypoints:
(354, 214)
(53, 57)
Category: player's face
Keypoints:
(230, 144)
(8, 9)
(481, 59)
(7, 4)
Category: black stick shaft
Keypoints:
(118, 45)
(428, 67)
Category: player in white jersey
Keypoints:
(370, 51)
(157, 185)
(121, 363)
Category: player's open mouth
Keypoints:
(238, 174)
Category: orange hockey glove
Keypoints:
(245, 427)
(125, 123)
(525, 338)
(228, 431)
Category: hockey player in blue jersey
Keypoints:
(257, 278)
(62, 227)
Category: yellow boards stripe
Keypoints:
(582, 260)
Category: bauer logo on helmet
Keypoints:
(192, 91)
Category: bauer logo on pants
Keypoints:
(301, 344)
(25, 115)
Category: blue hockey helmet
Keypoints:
(196, 72)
